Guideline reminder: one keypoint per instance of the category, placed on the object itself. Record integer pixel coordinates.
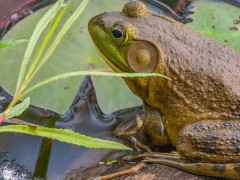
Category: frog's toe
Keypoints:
(229, 170)
(153, 155)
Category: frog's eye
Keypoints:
(119, 33)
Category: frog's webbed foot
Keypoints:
(124, 132)
(174, 160)
(156, 155)
(207, 148)
(229, 170)
(132, 134)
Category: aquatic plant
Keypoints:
(51, 20)
(10, 43)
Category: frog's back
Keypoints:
(201, 68)
(192, 52)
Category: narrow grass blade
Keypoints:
(18, 109)
(60, 35)
(94, 73)
(47, 38)
(10, 43)
(64, 136)
(18, 122)
(42, 24)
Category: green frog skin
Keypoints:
(198, 111)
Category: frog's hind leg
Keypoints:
(229, 170)
(174, 160)
(210, 141)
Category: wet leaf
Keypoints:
(75, 52)
(18, 109)
(216, 20)
(10, 43)
(64, 136)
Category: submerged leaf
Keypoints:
(64, 136)
(18, 109)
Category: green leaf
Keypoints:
(64, 136)
(41, 25)
(76, 52)
(10, 43)
(111, 162)
(18, 109)
(215, 20)
(60, 35)
(92, 73)
(46, 39)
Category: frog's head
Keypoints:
(119, 39)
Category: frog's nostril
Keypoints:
(102, 21)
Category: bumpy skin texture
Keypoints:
(205, 83)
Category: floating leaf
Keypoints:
(215, 20)
(64, 136)
(75, 52)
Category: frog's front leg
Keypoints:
(209, 148)
(149, 130)
(152, 131)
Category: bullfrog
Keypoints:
(198, 110)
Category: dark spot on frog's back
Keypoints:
(198, 126)
(235, 142)
(180, 139)
(225, 124)
(237, 169)
(210, 142)
(219, 168)
(233, 28)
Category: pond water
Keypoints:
(28, 157)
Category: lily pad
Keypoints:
(219, 21)
(75, 52)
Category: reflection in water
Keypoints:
(46, 158)
(12, 11)
(177, 9)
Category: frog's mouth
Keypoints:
(107, 60)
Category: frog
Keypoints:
(198, 111)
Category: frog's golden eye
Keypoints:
(119, 33)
